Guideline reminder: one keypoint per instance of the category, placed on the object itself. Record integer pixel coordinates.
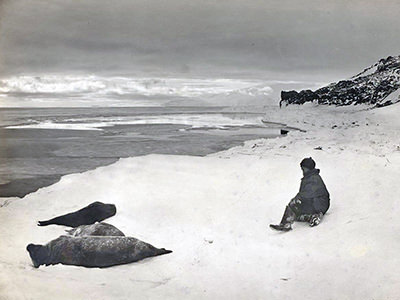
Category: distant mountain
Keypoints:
(378, 85)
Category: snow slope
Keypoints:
(214, 212)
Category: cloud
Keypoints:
(197, 36)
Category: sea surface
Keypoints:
(39, 145)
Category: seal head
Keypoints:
(38, 253)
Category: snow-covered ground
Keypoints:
(214, 212)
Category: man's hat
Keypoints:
(308, 163)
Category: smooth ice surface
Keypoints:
(214, 212)
(201, 120)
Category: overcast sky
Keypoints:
(197, 37)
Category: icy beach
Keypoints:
(214, 212)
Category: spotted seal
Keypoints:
(98, 229)
(92, 251)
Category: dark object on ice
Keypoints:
(375, 85)
(310, 203)
(318, 148)
(98, 229)
(92, 251)
(285, 279)
(286, 128)
(283, 131)
(90, 214)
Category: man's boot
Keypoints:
(316, 219)
(287, 220)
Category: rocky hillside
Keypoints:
(377, 85)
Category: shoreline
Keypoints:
(21, 187)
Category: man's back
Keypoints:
(313, 191)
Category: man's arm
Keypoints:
(306, 192)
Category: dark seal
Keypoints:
(92, 251)
(98, 229)
(90, 214)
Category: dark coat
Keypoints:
(313, 194)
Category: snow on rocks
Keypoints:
(371, 86)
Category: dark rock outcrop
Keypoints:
(377, 85)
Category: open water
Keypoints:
(39, 145)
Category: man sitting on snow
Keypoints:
(311, 202)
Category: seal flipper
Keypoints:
(70, 219)
(54, 221)
(43, 223)
(163, 251)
